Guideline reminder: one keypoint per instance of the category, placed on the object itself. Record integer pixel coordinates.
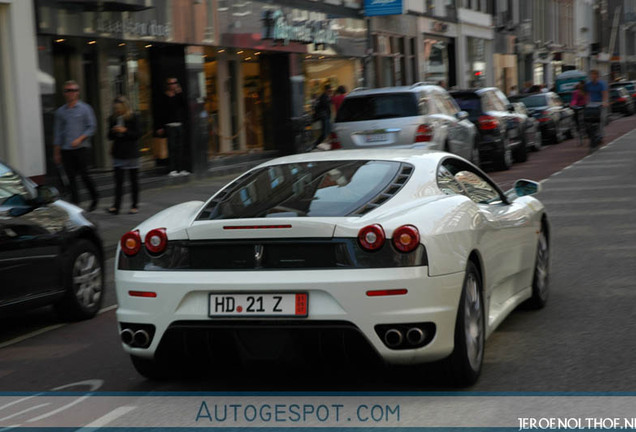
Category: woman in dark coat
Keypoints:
(124, 131)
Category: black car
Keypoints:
(620, 101)
(630, 86)
(50, 253)
(501, 137)
(556, 120)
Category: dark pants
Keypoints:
(75, 162)
(119, 186)
(176, 152)
(325, 130)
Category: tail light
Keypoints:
(130, 243)
(487, 122)
(621, 99)
(406, 238)
(634, 95)
(544, 117)
(334, 141)
(371, 237)
(156, 240)
(424, 133)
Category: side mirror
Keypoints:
(526, 187)
(461, 115)
(47, 194)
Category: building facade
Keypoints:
(475, 43)
(20, 125)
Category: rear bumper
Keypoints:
(333, 296)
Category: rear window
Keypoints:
(535, 101)
(469, 102)
(328, 188)
(378, 106)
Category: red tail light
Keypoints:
(406, 238)
(334, 141)
(634, 95)
(621, 99)
(371, 237)
(130, 243)
(424, 133)
(156, 240)
(487, 122)
(545, 116)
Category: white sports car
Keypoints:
(415, 255)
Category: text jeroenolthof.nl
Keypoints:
(577, 423)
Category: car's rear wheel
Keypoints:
(465, 362)
(84, 280)
(152, 369)
(474, 154)
(541, 280)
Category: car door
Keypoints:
(506, 234)
(30, 244)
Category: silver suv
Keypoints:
(420, 116)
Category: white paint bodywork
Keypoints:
(452, 227)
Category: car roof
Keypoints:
(415, 88)
(413, 156)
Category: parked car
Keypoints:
(621, 101)
(556, 120)
(50, 253)
(418, 116)
(630, 86)
(499, 128)
(530, 127)
(407, 256)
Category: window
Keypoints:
(456, 177)
(377, 106)
(14, 190)
(477, 189)
(315, 189)
(447, 183)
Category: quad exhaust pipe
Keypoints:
(127, 336)
(415, 336)
(404, 336)
(393, 338)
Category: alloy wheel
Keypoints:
(473, 323)
(542, 266)
(87, 279)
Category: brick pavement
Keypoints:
(553, 158)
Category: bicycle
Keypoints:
(593, 115)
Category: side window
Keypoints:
(477, 188)
(451, 104)
(440, 104)
(497, 102)
(447, 183)
(14, 190)
(486, 102)
(422, 104)
(503, 100)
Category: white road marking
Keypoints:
(60, 409)
(24, 411)
(113, 415)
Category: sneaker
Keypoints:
(184, 173)
(174, 174)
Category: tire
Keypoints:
(466, 360)
(503, 160)
(150, 368)
(521, 152)
(556, 138)
(541, 279)
(84, 282)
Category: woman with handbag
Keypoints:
(124, 131)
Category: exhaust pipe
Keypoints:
(393, 338)
(415, 336)
(141, 338)
(126, 336)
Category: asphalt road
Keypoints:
(582, 341)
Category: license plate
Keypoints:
(237, 305)
(376, 138)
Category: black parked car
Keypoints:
(621, 101)
(556, 120)
(501, 137)
(630, 86)
(50, 253)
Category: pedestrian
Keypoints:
(124, 131)
(171, 119)
(597, 93)
(337, 99)
(73, 128)
(322, 113)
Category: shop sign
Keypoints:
(277, 27)
(133, 28)
(383, 7)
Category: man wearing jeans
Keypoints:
(597, 93)
(74, 126)
(171, 121)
